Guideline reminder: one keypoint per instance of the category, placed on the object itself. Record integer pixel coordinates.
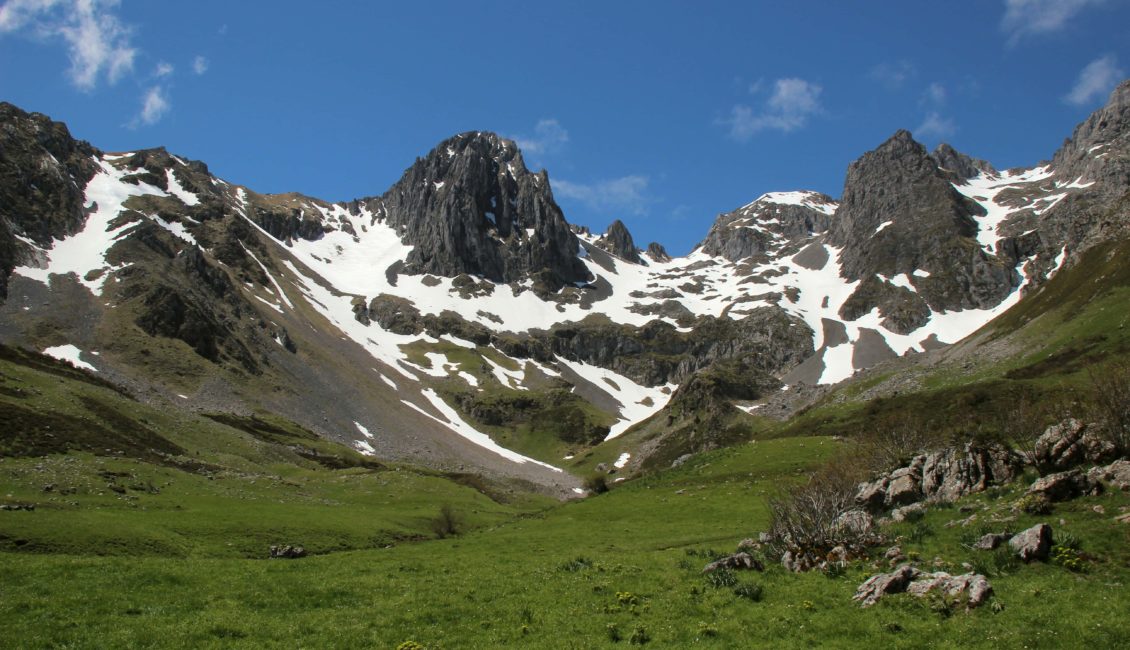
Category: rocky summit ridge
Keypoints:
(431, 321)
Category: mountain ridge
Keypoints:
(464, 282)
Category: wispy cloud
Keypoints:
(199, 65)
(549, 136)
(790, 105)
(97, 42)
(935, 94)
(893, 75)
(625, 194)
(155, 104)
(1095, 81)
(164, 69)
(934, 126)
(1034, 17)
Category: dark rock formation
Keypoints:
(43, 172)
(618, 241)
(764, 226)
(899, 213)
(471, 206)
(960, 165)
(1071, 443)
(657, 253)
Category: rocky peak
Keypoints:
(471, 206)
(43, 173)
(618, 241)
(1098, 150)
(774, 220)
(657, 253)
(900, 214)
(962, 166)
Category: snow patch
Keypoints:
(69, 353)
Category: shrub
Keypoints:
(707, 630)
(805, 517)
(894, 441)
(447, 523)
(613, 632)
(1111, 394)
(639, 636)
(596, 483)
(750, 591)
(1034, 504)
(722, 578)
(577, 564)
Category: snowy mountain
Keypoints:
(460, 321)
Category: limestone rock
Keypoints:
(1063, 486)
(990, 541)
(1070, 443)
(1116, 475)
(1032, 544)
(882, 584)
(738, 561)
(287, 552)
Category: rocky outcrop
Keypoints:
(900, 214)
(941, 476)
(1063, 486)
(43, 173)
(618, 241)
(286, 552)
(1034, 543)
(961, 166)
(1070, 443)
(1116, 475)
(471, 206)
(738, 561)
(767, 225)
(974, 587)
(657, 253)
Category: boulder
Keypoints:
(913, 581)
(1032, 544)
(882, 584)
(1116, 475)
(990, 541)
(1063, 486)
(975, 586)
(739, 561)
(287, 552)
(942, 475)
(1072, 443)
(853, 523)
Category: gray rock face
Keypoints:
(961, 166)
(764, 226)
(43, 172)
(930, 228)
(1032, 544)
(1063, 486)
(618, 241)
(1098, 149)
(657, 253)
(941, 476)
(882, 584)
(1116, 475)
(908, 579)
(471, 206)
(1071, 443)
(990, 541)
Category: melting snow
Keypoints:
(362, 429)
(70, 354)
(622, 460)
(177, 190)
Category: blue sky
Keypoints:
(662, 114)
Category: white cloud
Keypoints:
(154, 104)
(1033, 17)
(894, 74)
(1095, 81)
(935, 94)
(628, 194)
(164, 69)
(935, 126)
(199, 65)
(548, 137)
(97, 42)
(788, 108)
